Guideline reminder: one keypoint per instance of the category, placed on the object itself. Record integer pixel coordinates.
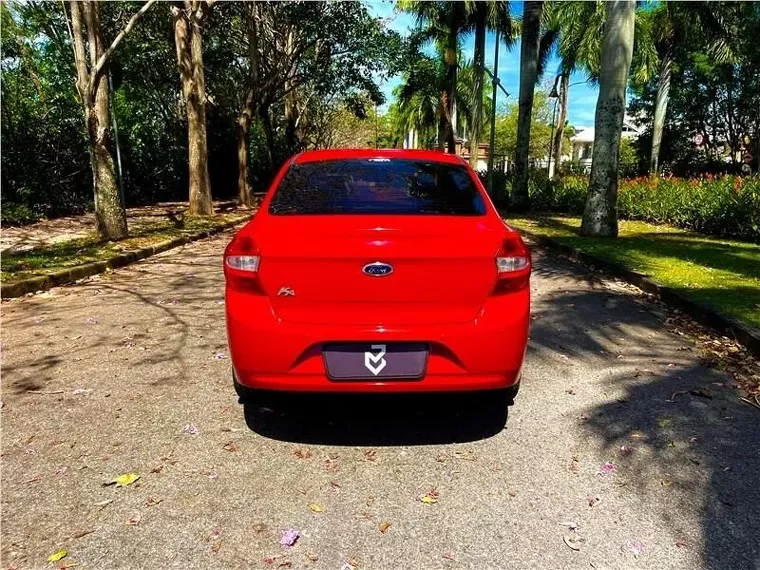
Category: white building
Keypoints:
(583, 142)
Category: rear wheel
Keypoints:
(511, 393)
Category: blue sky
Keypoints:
(582, 97)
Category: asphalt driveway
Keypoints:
(606, 461)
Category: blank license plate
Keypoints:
(376, 361)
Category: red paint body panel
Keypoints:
(443, 291)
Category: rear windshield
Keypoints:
(377, 186)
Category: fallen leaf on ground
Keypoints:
(311, 556)
(316, 508)
(468, 455)
(134, 521)
(636, 547)
(216, 546)
(231, 446)
(151, 502)
(671, 443)
(58, 555)
(606, 468)
(384, 526)
(664, 422)
(123, 480)
(302, 453)
(430, 497)
(190, 429)
(370, 455)
(573, 542)
(666, 482)
(331, 465)
(289, 537)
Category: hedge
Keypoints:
(726, 206)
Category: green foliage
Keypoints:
(45, 165)
(720, 273)
(714, 93)
(727, 206)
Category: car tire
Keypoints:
(511, 393)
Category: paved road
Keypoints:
(148, 342)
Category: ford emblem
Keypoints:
(377, 269)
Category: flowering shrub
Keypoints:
(727, 206)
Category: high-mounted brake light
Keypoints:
(241, 265)
(513, 265)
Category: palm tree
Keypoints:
(419, 101)
(529, 52)
(441, 22)
(671, 23)
(572, 29)
(600, 213)
(483, 15)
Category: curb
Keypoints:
(65, 276)
(744, 334)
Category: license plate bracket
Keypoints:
(375, 360)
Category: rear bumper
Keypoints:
(484, 354)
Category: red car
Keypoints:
(377, 271)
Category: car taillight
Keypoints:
(513, 265)
(241, 265)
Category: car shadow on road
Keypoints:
(376, 419)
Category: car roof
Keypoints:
(359, 153)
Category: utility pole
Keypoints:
(492, 143)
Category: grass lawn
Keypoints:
(723, 274)
(48, 259)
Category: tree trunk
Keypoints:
(560, 132)
(246, 114)
(660, 109)
(531, 36)
(110, 216)
(244, 184)
(450, 60)
(189, 44)
(266, 124)
(479, 56)
(600, 214)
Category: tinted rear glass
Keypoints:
(377, 186)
